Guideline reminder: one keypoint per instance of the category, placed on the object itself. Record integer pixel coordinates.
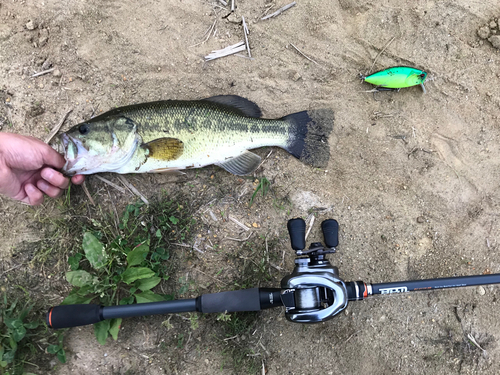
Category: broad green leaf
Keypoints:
(127, 301)
(32, 325)
(80, 278)
(61, 356)
(75, 299)
(147, 284)
(173, 219)
(148, 296)
(136, 273)
(13, 346)
(94, 251)
(101, 331)
(74, 261)
(17, 328)
(138, 255)
(9, 355)
(115, 328)
(53, 349)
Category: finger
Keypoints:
(34, 196)
(52, 157)
(78, 179)
(55, 178)
(49, 189)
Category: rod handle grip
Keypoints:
(66, 316)
(254, 299)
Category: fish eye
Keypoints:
(84, 129)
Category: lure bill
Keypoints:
(397, 77)
(172, 135)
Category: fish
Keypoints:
(397, 77)
(173, 135)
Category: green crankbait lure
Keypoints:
(397, 77)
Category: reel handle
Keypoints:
(297, 232)
(330, 230)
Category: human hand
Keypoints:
(28, 169)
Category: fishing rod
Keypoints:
(312, 293)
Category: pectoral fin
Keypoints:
(165, 148)
(242, 165)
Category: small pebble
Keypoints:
(30, 25)
(484, 32)
(493, 24)
(420, 219)
(481, 291)
(495, 41)
(56, 73)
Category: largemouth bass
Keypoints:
(173, 135)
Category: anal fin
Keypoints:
(242, 165)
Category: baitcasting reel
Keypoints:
(313, 292)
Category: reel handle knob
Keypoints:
(330, 230)
(297, 232)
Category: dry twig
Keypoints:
(207, 33)
(86, 191)
(112, 184)
(133, 189)
(230, 50)
(241, 225)
(245, 32)
(279, 11)
(239, 240)
(57, 127)
(303, 54)
(42, 73)
(473, 340)
(383, 49)
(311, 223)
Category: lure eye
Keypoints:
(84, 129)
(422, 75)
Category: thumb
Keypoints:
(51, 157)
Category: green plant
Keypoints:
(15, 333)
(239, 352)
(263, 186)
(58, 349)
(123, 268)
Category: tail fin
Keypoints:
(309, 131)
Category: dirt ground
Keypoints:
(413, 179)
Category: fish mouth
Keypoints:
(73, 150)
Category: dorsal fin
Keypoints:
(241, 105)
